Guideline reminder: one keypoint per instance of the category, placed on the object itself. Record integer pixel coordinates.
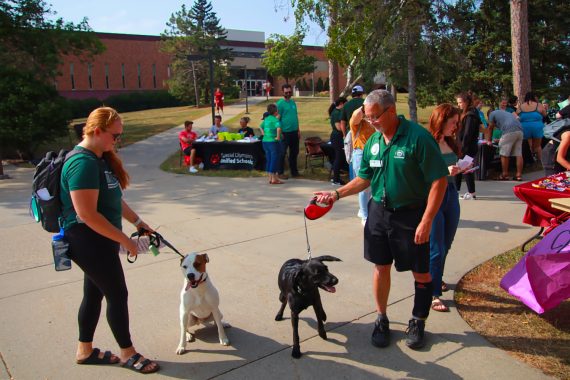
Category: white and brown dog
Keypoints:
(199, 300)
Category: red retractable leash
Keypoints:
(314, 210)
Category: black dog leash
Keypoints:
(154, 239)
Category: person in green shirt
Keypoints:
(291, 132)
(348, 109)
(92, 184)
(404, 168)
(337, 138)
(271, 131)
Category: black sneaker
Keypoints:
(415, 333)
(339, 182)
(381, 333)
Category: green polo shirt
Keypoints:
(86, 171)
(404, 169)
(288, 115)
(351, 106)
(270, 125)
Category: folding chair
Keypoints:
(313, 152)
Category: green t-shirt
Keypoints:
(288, 115)
(86, 171)
(403, 170)
(351, 106)
(335, 118)
(269, 126)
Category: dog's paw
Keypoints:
(296, 353)
(279, 317)
(180, 350)
(224, 341)
(189, 337)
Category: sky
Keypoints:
(150, 17)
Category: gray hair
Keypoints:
(381, 97)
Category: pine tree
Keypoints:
(195, 32)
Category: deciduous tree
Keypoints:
(285, 57)
(31, 49)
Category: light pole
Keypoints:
(245, 86)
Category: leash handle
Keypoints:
(154, 236)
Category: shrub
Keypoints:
(131, 101)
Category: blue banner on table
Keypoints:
(230, 155)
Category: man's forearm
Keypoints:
(353, 187)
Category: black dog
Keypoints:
(299, 282)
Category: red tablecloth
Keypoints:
(539, 212)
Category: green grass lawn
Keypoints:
(138, 125)
(314, 121)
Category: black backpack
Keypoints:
(45, 204)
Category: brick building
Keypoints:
(135, 63)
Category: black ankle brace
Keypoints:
(422, 299)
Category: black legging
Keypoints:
(98, 257)
(469, 180)
(337, 143)
(291, 141)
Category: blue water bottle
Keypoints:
(60, 248)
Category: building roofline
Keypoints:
(146, 37)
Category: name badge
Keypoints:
(375, 163)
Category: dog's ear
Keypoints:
(326, 258)
(206, 258)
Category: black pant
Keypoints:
(469, 179)
(337, 143)
(98, 258)
(291, 141)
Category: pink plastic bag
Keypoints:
(541, 279)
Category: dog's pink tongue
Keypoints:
(188, 285)
(330, 289)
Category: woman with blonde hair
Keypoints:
(443, 123)
(92, 184)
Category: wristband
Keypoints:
(137, 222)
(337, 195)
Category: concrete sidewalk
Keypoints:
(248, 229)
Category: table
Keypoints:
(560, 204)
(231, 155)
(539, 211)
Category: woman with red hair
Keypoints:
(443, 123)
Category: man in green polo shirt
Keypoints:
(291, 132)
(404, 168)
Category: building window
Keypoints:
(154, 75)
(139, 74)
(89, 75)
(107, 75)
(72, 76)
(123, 75)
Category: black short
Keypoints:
(389, 237)
(188, 150)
